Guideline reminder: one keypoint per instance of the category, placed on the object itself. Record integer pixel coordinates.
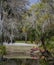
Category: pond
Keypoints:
(20, 62)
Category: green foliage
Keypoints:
(52, 38)
(31, 34)
(2, 50)
(43, 62)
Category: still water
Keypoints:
(20, 62)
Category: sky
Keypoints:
(33, 1)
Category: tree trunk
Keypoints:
(43, 43)
(2, 38)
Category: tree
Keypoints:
(44, 24)
(12, 9)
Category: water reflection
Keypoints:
(20, 62)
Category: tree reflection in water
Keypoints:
(20, 62)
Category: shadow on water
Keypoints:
(19, 62)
